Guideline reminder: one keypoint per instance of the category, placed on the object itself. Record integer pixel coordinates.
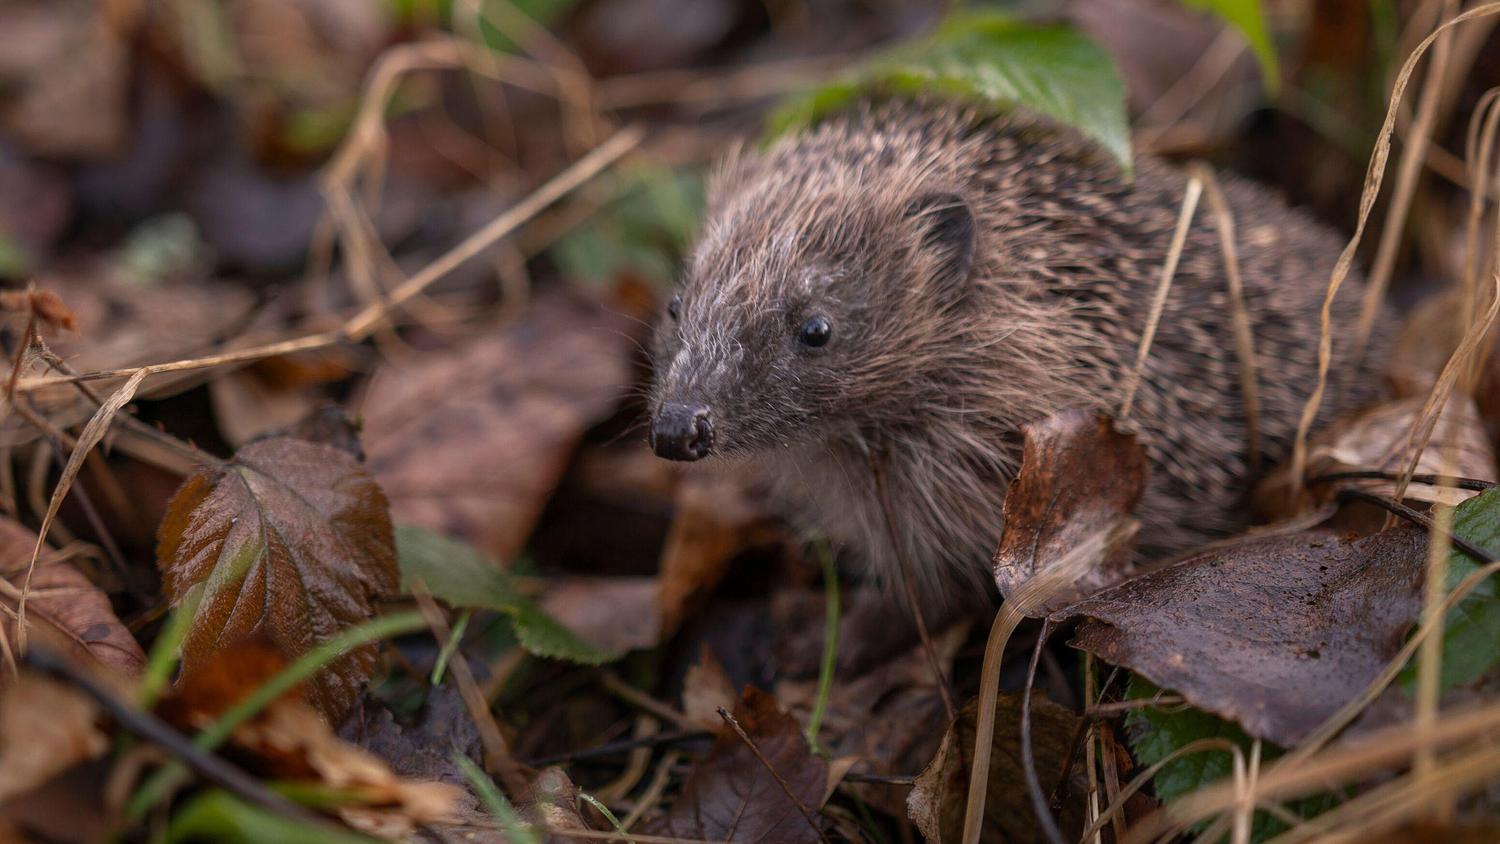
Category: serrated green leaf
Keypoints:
(1249, 18)
(459, 575)
(1471, 632)
(996, 61)
(219, 816)
(1155, 733)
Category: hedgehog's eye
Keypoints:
(674, 307)
(816, 331)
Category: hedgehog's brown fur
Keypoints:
(935, 375)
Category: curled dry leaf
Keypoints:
(1377, 440)
(292, 541)
(470, 442)
(294, 742)
(45, 728)
(1068, 513)
(1274, 633)
(730, 796)
(67, 610)
(290, 741)
(938, 797)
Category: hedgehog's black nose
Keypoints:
(682, 432)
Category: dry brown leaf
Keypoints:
(1377, 440)
(1274, 633)
(706, 688)
(294, 742)
(64, 607)
(731, 796)
(293, 542)
(937, 800)
(1068, 512)
(888, 718)
(45, 728)
(64, 67)
(123, 323)
(715, 519)
(611, 614)
(470, 442)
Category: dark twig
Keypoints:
(882, 779)
(877, 467)
(734, 724)
(1075, 746)
(615, 748)
(1039, 803)
(158, 732)
(1413, 516)
(1430, 480)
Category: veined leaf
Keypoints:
(1155, 733)
(996, 61)
(292, 540)
(459, 575)
(1471, 632)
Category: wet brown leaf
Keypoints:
(730, 796)
(470, 442)
(293, 542)
(46, 728)
(1068, 511)
(1274, 633)
(69, 611)
(937, 800)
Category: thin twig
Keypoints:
(1477, 484)
(615, 748)
(786, 787)
(1405, 512)
(158, 732)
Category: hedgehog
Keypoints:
(877, 306)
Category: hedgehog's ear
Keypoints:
(948, 232)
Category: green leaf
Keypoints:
(1248, 17)
(1154, 733)
(998, 62)
(461, 576)
(219, 817)
(1471, 632)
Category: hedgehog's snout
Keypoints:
(682, 431)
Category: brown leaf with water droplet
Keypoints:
(293, 543)
(1068, 513)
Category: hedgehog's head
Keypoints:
(812, 305)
